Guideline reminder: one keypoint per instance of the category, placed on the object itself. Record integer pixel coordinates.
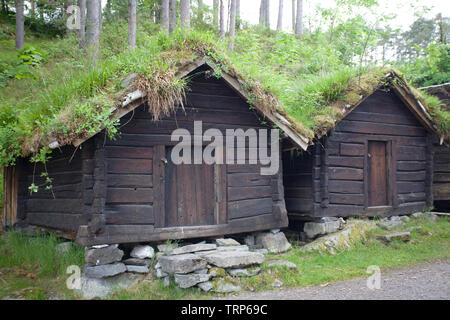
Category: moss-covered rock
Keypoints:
(355, 230)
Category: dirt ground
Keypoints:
(427, 281)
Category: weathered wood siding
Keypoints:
(441, 174)
(381, 117)
(335, 175)
(298, 181)
(60, 207)
(141, 187)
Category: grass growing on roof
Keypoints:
(302, 79)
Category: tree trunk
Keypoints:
(293, 15)
(262, 11)
(100, 17)
(81, 31)
(222, 19)
(185, 17)
(238, 14)
(200, 9)
(215, 14)
(132, 24)
(165, 15)
(299, 20)
(232, 25)
(280, 16)
(93, 27)
(264, 18)
(20, 31)
(172, 15)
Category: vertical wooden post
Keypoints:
(159, 185)
(429, 171)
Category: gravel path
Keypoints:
(422, 282)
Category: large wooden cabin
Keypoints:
(376, 161)
(129, 190)
(441, 154)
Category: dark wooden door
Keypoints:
(189, 194)
(377, 174)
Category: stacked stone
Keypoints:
(215, 266)
(105, 270)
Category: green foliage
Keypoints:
(38, 254)
(431, 69)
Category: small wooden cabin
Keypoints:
(376, 160)
(128, 190)
(441, 150)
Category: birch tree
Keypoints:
(185, 17)
(132, 24)
(81, 31)
(93, 27)
(222, 19)
(215, 14)
(238, 14)
(264, 18)
(293, 16)
(280, 16)
(232, 25)
(20, 31)
(200, 9)
(172, 15)
(165, 15)
(299, 18)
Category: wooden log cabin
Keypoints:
(377, 160)
(441, 151)
(128, 189)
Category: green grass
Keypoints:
(31, 268)
(429, 243)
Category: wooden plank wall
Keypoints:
(298, 181)
(383, 117)
(60, 207)
(134, 168)
(441, 174)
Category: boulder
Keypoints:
(202, 271)
(249, 240)
(224, 285)
(390, 224)
(227, 242)
(160, 274)
(103, 271)
(205, 286)
(101, 255)
(314, 229)
(137, 269)
(281, 263)
(247, 272)
(277, 283)
(274, 242)
(355, 230)
(137, 262)
(233, 248)
(166, 247)
(182, 263)
(234, 259)
(396, 236)
(262, 251)
(217, 272)
(417, 215)
(92, 288)
(404, 218)
(189, 280)
(193, 248)
(142, 252)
